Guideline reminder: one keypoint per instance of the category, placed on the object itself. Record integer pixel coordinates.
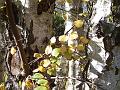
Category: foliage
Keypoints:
(64, 44)
(58, 24)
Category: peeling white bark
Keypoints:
(108, 80)
(68, 26)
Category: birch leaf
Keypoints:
(68, 55)
(42, 69)
(63, 38)
(81, 47)
(51, 71)
(48, 50)
(85, 0)
(29, 83)
(56, 52)
(13, 51)
(69, 1)
(41, 88)
(42, 82)
(2, 86)
(63, 49)
(37, 55)
(46, 63)
(52, 40)
(35, 70)
(73, 35)
(78, 23)
(84, 40)
(37, 76)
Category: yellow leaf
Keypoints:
(71, 49)
(13, 51)
(71, 43)
(29, 83)
(81, 47)
(60, 1)
(41, 69)
(68, 55)
(85, 0)
(48, 50)
(37, 55)
(63, 38)
(46, 63)
(84, 14)
(63, 49)
(2, 87)
(78, 23)
(65, 16)
(73, 35)
(69, 1)
(84, 40)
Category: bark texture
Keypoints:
(42, 25)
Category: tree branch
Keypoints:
(17, 36)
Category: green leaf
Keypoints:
(38, 55)
(58, 62)
(51, 71)
(63, 38)
(69, 1)
(43, 82)
(53, 60)
(73, 35)
(41, 88)
(68, 55)
(37, 76)
(56, 52)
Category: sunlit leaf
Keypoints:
(35, 70)
(43, 82)
(58, 62)
(48, 50)
(63, 38)
(46, 63)
(71, 49)
(54, 65)
(71, 43)
(84, 40)
(84, 14)
(53, 60)
(38, 55)
(81, 47)
(85, 0)
(73, 35)
(65, 16)
(63, 49)
(69, 1)
(42, 69)
(41, 88)
(2, 86)
(56, 52)
(37, 76)
(52, 40)
(78, 23)
(60, 1)
(29, 83)
(75, 56)
(51, 71)
(13, 50)
(68, 55)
